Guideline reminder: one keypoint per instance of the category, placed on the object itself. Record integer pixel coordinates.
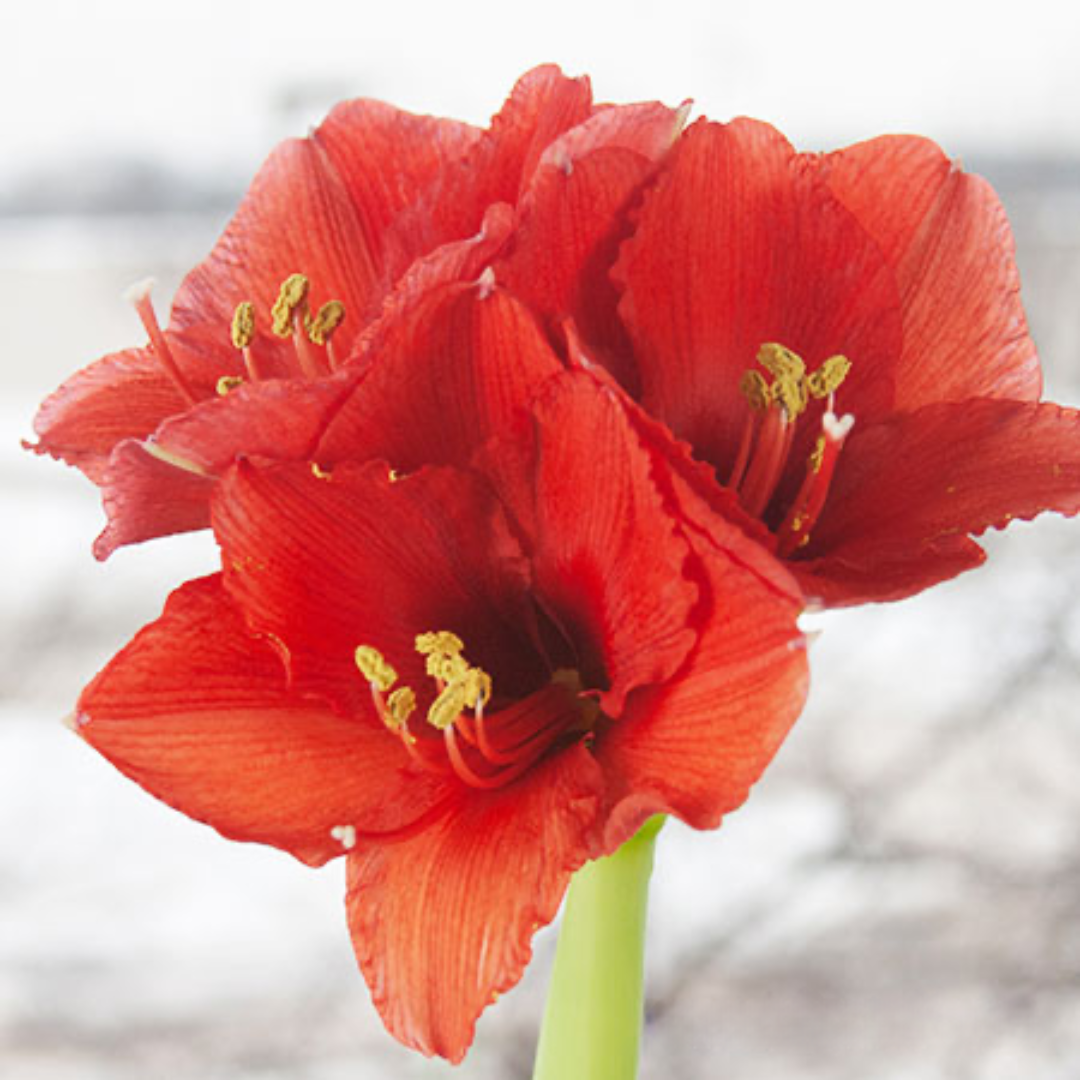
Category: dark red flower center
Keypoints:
(776, 406)
(462, 734)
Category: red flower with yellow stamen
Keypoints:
(869, 475)
(366, 216)
(469, 679)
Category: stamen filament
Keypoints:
(746, 444)
(408, 740)
(465, 772)
(774, 440)
(311, 363)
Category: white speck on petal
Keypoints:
(344, 835)
(486, 282)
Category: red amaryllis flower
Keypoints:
(771, 300)
(339, 235)
(471, 679)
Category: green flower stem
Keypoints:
(592, 1023)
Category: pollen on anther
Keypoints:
(828, 377)
(227, 383)
(400, 705)
(439, 641)
(448, 706)
(293, 297)
(327, 319)
(374, 667)
(755, 389)
(243, 324)
(345, 835)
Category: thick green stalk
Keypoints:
(592, 1023)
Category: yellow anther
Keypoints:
(292, 298)
(791, 394)
(374, 668)
(756, 390)
(779, 362)
(448, 706)
(319, 472)
(817, 455)
(445, 667)
(326, 321)
(477, 685)
(789, 388)
(227, 383)
(439, 641)
(400, 705)
(828, 377)
(243, 324)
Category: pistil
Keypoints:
(139, 296)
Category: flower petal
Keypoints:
(442, 923)
(739, 244)
(123, 395)
(607, 561)
(325, 564)
(196, 710)
(146, 497)
(386, 158)
(908, 491)
(455, 368)
(164, 485)
(497, 167)
(941, 230)
(572, 223)
(694, 745)
(297, 217)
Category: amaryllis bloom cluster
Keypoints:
(524, 449)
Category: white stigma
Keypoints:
(140, 290)
(837, 428)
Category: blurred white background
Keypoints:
(899, 898)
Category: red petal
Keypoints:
(196, 710)
(497, 168)
(325, 565)
(646, 128)
(456, 368)
(297, 217)
(122, 396)
(607, 562)
(572, 223)
(947, 238)
(146, 496)
(694, 746)
(386, 158)
(908, 491)
(455, 262)
(442, 923)
(740, 244)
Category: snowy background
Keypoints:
(901, 896)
